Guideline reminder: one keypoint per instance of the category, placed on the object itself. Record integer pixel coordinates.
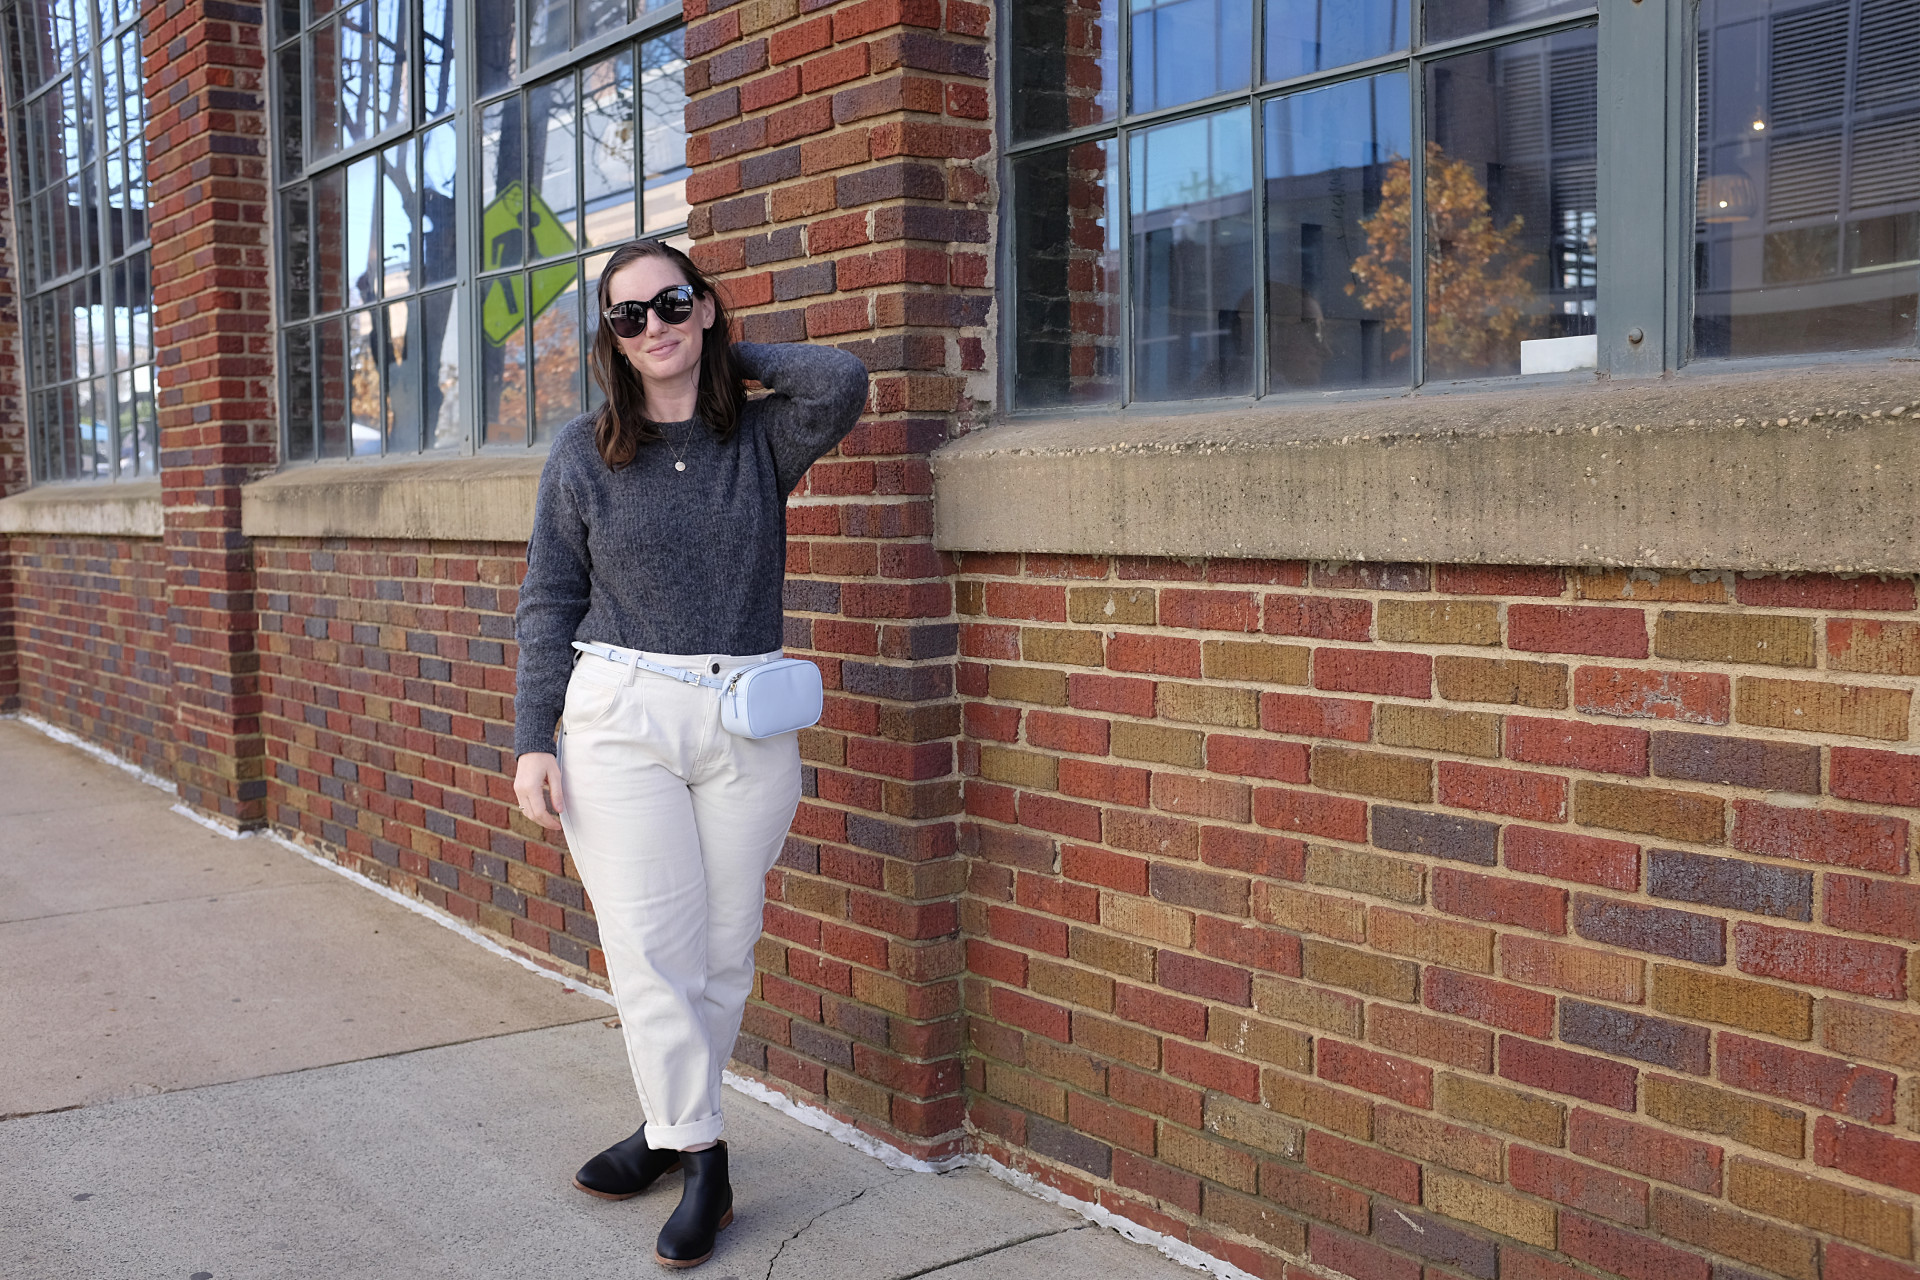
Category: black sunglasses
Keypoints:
(629, 319)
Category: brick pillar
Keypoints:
(213, 330)
(842, 189)
(13, 430)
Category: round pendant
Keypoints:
(679, 466)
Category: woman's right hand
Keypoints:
(535, 779)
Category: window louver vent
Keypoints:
(1888, 67)
(1886, 162)
(1575, 100)
(1803, 177)
(1809, 74)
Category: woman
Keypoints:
(660, 532)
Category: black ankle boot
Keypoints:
(625, 1169)
(705, 1207)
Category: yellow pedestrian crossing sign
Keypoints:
(516, 226)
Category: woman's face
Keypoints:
(663, 352)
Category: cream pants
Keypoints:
(673, 823)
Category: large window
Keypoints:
(444, 214)
(1234, 198)
(77, 123)
(1809, 196)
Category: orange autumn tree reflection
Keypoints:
(1477, 287)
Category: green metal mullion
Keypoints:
(1682, 169)
(1633, 159)
(1417, 225)
(466, 222)
(1122, 161)
(1257, 131)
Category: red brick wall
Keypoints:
(13, 430)
(387, 692)
(90, 631)
(843, 189)
(1392, 914)
(213, 333)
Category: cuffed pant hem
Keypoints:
(678, 1137)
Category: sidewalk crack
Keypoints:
(832, 1208)
(991, 1250)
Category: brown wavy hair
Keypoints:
(621, 424)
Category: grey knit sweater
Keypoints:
(673, 561)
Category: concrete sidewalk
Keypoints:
(219, 1060)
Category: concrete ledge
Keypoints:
(129, 509)
(1811, 469)
(448, 500)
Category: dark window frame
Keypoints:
(1645, 197)
(468, 281)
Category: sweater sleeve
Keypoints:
(816, 395)
(553, 599)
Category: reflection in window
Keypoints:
(1511, 222)
(1191, 206)
(1329, 153)
(1067, 228)
(1507, 218)
(1305, 36)
(1449, 19)
(1808, 207)
(1185, 50)
(561, 165)
(369, 214)
(76, 124)
(1065, 66)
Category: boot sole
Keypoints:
(678, 1263)
(628, 1195)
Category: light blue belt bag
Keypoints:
(759, 701)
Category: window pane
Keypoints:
(606, 90)
(551, 217)
(392, 67)
(295, 247)
(297, 412)
(293, 113)
(437, 85)
(1191, 195)
(556, 347)
(594, 268)
(439, 231)
(549, 28)
(592, 18)
(498, 49)
(1338, 243)
(1065, 65)
(363, 261)
(1066, 228)
(398, 205)
(663, 140)
(403, 418)
(363, 380)
(502, 193)
(330, 365)
(330, 264)
(503, 362)
(149, 442)
(1445, 19)
(1304, 36)
(1184, 50)
(1808, 211)
(1511, 222)
(440, 366)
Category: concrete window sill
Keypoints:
(445, 500)
(1813, 468)
(129, 509)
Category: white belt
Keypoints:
(640, 661)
